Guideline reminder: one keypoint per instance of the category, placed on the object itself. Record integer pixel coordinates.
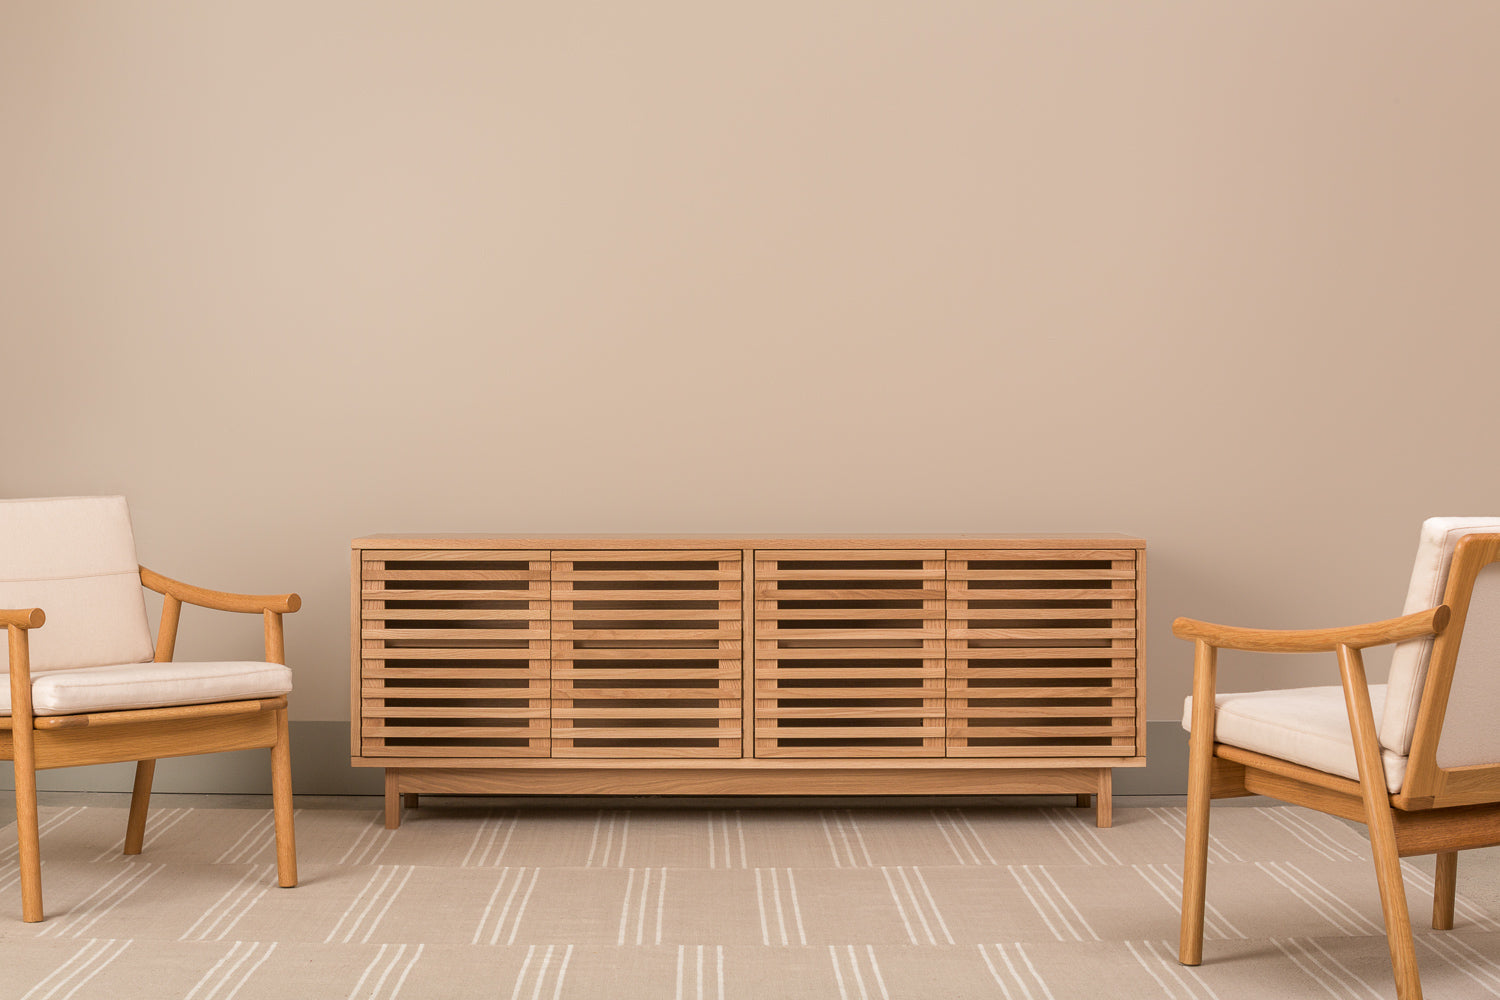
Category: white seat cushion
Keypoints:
(151, 685)
(1308, 726)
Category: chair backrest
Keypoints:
(1470, 734)
(1477, 673)
(74, 557)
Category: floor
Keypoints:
(1479, 870)
(799, 899)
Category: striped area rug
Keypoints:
(759, 902)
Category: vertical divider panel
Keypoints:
(367, 605)
(1041, 653)
(647, 654)
(849, 653)
(763, 658)
(453, 653)
(747, 653)
(935, 662)
(1126, 607)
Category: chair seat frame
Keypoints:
(1437, 810)
(36, 743)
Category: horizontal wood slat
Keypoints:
(1029, 653)
(635, 555)
(625, 673)
(452, 614)
(1120, 591)
(659, 652)
(625, 695)
(853, 575)
(645, 636)
(603, 609)
(443, 694)
(469, 598)
(917, 591)
(466, 711)
(1017, 692)
(402, 575)
(375, 670)
(823, 634)
(1028, 574)
(1028, 610)
(1036, 555)
(461, 652)
(451, 633)
(1058, 632)
(607, 575)
(1051, 735)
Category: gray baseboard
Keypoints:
(320, 766)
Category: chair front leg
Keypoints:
(28, 841)
(1382, 826)
(140, 801)
(281, 766)
(281, 803)
(1200, 782)
(1392, 892)
(28, 832)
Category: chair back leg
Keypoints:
(140, 801)
(1445, 887)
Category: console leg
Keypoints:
(392, 800)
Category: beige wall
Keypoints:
(1222, 275)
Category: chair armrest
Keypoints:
(22, 618)
(1413, 626)
(218, 600)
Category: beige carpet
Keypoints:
(855, 904)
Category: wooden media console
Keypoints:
(748, 665)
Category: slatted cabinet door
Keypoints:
(454, 649)
(1041, 653)
(647, 654)
(849, 653)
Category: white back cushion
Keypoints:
(1429, 579)
(74, 557)
(1470, 735)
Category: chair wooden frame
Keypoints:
(144, 735)
(1437, 811)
